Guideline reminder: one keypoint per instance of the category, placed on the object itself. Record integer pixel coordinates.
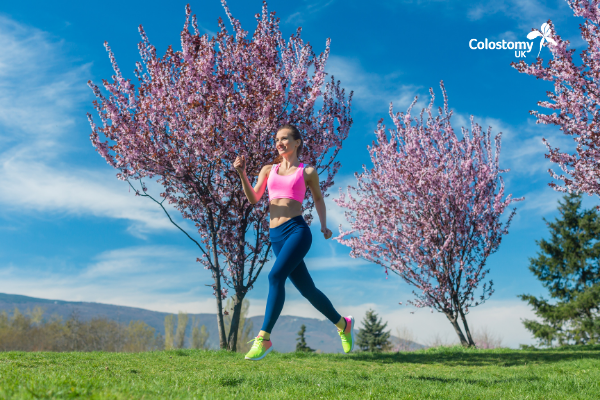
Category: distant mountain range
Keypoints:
(320, 335)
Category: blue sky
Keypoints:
(70, 230)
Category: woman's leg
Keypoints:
(305, 285)
(290, 253)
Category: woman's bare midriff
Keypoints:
(282, 210)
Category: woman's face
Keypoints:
(285, 142)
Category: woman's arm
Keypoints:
(253, 194)
(312, 181)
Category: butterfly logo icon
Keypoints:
(545, 34)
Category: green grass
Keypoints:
(444, 373)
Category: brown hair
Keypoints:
(296, 135)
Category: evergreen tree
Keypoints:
(371, 337)
(568, 266)
(301, 345)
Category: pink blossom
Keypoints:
(194, 110)
(574, 102)
(430, 208)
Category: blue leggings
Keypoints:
(291, 241)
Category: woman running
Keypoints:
(290, 235)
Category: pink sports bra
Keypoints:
(286, 186)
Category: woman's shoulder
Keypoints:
(267, 168)
(310, 174)
(308, 169)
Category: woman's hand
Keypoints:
(240, 164)
(326, 232)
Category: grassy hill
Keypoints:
(319, 334)
(441, 373)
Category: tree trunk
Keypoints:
(467, 330)
(217, 277)
(461, 336)
(235, 322)
(220, 323)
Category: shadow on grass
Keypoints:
(479, 382)
(499, 357)
(230, 381)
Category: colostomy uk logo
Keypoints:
(545, 36)
(520, 48)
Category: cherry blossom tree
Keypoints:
(574, 102)
(194, 110)
(430, 210)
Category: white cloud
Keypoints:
(522, 148)
(527, 12)
(425, 1)
(160, 278)
(309, 8)
(373, 92)
(40, 94)
(544, 202)
(576, 42)
(334, 261)
(509, 36)
(210, 33)
(136, 260)
(541, 202)
(38, 187)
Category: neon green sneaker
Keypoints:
(260, 349)
(347, 335)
